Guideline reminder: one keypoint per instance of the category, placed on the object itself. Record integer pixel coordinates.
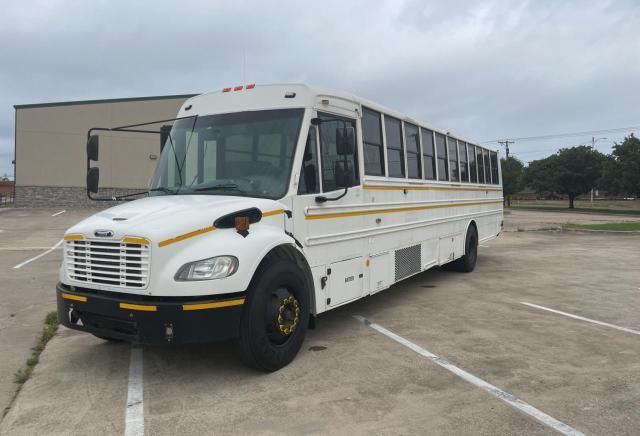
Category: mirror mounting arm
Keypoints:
(323, 199)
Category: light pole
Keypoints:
(594, 140)
(593, 145)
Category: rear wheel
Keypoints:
(275, 316)
(467, 263)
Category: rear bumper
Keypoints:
(146, 320)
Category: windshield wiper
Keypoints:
(163, 189)
(220, 187)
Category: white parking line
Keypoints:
(606, 324)
(20, 265)
(59, 213)
(484, 246)
(134, 419)
(493, 390)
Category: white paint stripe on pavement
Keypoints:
(134, 419)
(570, 315)
(59, 213)
(493, 390)
(20, 265)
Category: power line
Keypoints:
(566, 135)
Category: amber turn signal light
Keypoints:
(241, 223)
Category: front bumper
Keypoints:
(148, 320)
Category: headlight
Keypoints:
(207, 269)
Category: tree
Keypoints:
(512, 171)
(621, 173)
(571, 171)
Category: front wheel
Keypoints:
(275, 316)
(467, 263)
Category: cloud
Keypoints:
(485, 70)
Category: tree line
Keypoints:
(577, 170)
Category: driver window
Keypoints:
(328, 129)
(309, 182)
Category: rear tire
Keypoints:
(275, 316)
(467, 263)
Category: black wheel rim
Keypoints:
(282, 316)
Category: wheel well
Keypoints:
(289, 252)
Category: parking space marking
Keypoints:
(582, 318)
(59, 213)
(487, 387)
(20, 265)
(134, 419)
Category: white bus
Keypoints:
(269, 206)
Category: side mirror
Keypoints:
(93, 178)
(345, 141)
(92, 147)
(344, 174)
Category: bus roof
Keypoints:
(255, 97)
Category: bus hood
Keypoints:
(162, 217)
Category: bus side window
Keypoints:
(309, 180)
(329, 154)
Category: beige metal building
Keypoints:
(50, 143)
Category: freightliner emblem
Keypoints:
(103, 233)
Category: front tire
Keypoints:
(467, 263)
(275, 316)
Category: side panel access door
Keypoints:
(345, 281)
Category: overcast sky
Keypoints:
(486, 70)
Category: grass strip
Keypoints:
(579, 210)
(48, 331)
(614, 227)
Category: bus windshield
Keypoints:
(244, 153)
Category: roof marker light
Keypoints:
(238, 88)
(226, 89)
(253, 85)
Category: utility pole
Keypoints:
(506, 143)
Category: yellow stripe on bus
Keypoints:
(394, 210)
(426, 188)
(213, 305)
(186, 236)
(272, 213)
(135, 240)
(140, 307)
(74, 297)
(73, 238)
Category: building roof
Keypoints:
(109, 100)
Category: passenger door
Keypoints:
(319, 225)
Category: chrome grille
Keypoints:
(111, 263)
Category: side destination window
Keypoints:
(494, 167)
(473, 169)
(372, 136)
(412, 139)
(487, 168)
(453, 159)
(441, 150)
(329, 155)
(395, 153)
(480, 159)
(428, 155)
(464, 170)
(309, 182)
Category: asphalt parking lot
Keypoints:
(350, 378)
